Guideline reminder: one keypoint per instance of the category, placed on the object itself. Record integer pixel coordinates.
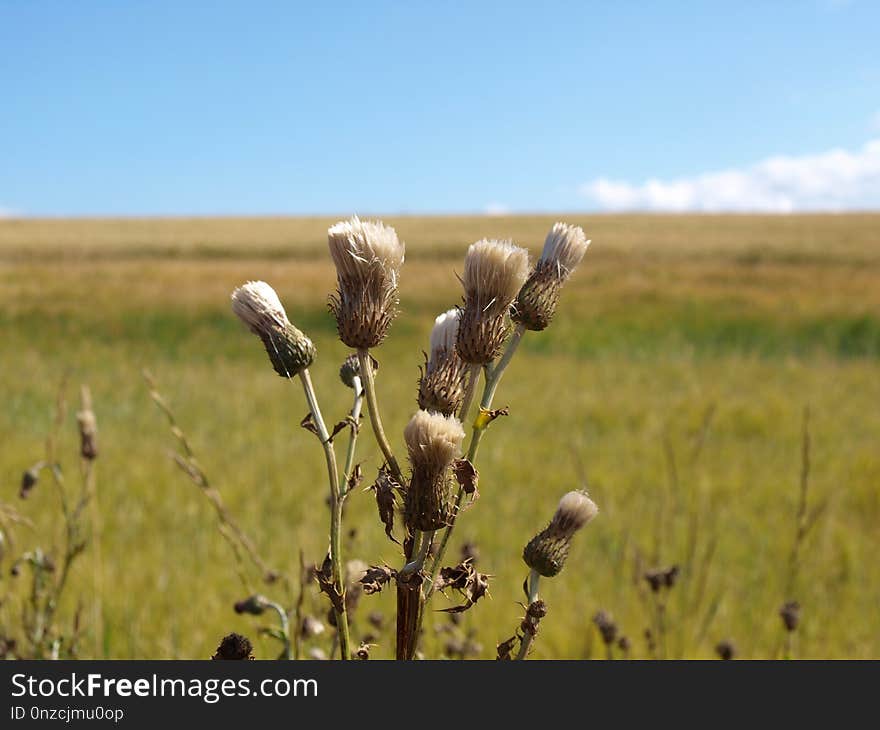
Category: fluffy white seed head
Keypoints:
(258, 306)
(494, 272)
(445, 331)
(564, 248)
(575, 510)
(433, 440)
(357, 246)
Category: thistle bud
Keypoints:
(535, 304)
(547, 551)
(368, 257)
(433, 441)
(253, 605)
(350, 370)
(257, 305)
(790, 613)
(444, 377)
(494, 271)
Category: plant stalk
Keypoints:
(366, 368)
(352, 439)
(528, 638)
(335, 513)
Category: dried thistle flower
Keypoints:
(659, 578)
(535, 304)
(257, 305)
(494, 272)
(368, 258)
(790, 613)
(607, 627)
(30, 478)
(725, 650)
(311, 627)
(443, 379)
(433, 441)
(234, 646)
(547, 551)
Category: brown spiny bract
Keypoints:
(547, 551)
(535, 304)
(443, 379)
(234, 646)
(258, 306)
(433, 441)
(494, 272)
(368, 257)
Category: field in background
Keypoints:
(672, 384)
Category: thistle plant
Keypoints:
(547, 551)
(502, 300)
(291, 353)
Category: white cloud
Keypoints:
(833, 180)
(497, 209)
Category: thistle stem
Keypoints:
(420, 552)
(352, 439)
(493, 377)
(335, 512)
(528, 638)
(285, 627)
(473, 377)
(366, 368)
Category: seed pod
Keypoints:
(535, 304)
(547, 551)
(257, 305)
(433, 441)
(368, 258)
(494, 271)
(444, 377)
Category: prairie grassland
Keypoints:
(672, 385)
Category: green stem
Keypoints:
(366, 368)
(473, 377)
(528, 638)
(335, 511)
(285, 627)
(352, 439)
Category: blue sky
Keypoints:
(186, 108)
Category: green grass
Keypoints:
(669, 319)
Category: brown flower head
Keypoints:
(433, 442)
(257, 305)
(368, 258)
(444, 377)
(494, 271)
(536, 302)
(547, 551)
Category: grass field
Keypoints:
(672, 383)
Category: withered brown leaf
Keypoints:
(376, 577)
(386, 488)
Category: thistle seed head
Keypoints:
(368, 257)
(547, 551)
(536, 302)
(433, 441)
(443, 379)
(257, 305)
(790, 613)
(494, 272)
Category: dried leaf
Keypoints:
(505, 648)
(376, 577)
(385, 488)
(486, 416)
(324, 577)
(466, 475)
(354, 479)
(308, 424)
(463, 579)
